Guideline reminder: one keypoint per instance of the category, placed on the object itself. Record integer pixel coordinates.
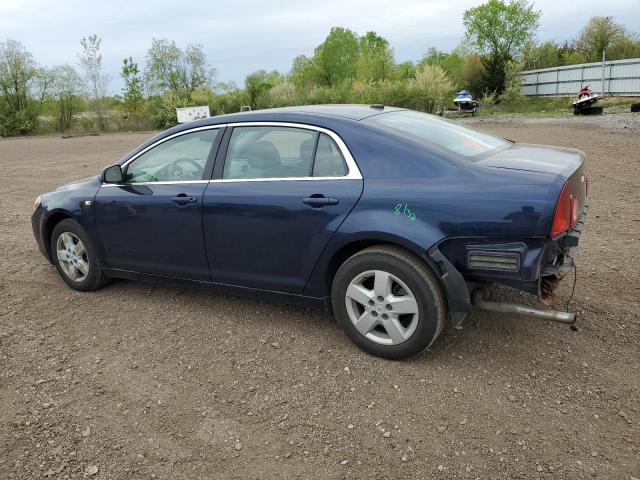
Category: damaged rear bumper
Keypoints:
(559, 259)
(533, 265)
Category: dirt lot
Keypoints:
(141, 381)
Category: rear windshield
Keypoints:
(456, 138)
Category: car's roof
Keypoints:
(350, 112)
(353, 112)
(327, 116)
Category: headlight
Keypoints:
(38, 201)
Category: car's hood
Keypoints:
(536, 158)
(84, 182)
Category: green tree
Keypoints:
(545, 55)
(571, 56)
(499, 31)
(306, 73)
(132, 96)
(258, 83)
(431, 87)
(512, 94)
(67, 90)
(624, 47)
(171, 69)
(226, 87)
(283, 95)
(42, 85)
(404, 71)
(452, 63)
(473, 74)
(17, 73)
(97, 79)
(337, 56)
(230, 100)
(600, 35)
(376, 59)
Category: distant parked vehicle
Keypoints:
(396, 219)
(465, 102)
(586, 100)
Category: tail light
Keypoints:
(567, 211)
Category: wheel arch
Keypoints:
(346, 250)
(448, 279)
(341, 255)
(49, 224)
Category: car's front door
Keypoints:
(152, 223)
(274, 204)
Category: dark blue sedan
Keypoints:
(397, 219)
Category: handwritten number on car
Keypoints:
(403, 209)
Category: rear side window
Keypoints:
(451, 136)
(329, 162)
(257, 152)
(269, 152)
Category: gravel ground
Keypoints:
(142, 381)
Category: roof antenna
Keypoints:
(377, 106)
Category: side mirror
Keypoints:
(112, 174)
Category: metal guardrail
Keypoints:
(615, 77)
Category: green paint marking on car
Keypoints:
(403, 209)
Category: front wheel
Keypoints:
(75, 258)
(388, 303)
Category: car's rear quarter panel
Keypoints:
(447, 199)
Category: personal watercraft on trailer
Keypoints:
(464, 102)
(586, 99)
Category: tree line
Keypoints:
(344, 68)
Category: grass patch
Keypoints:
(551, 106)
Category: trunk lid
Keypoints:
(569, 187)
(536, 158)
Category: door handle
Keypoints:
(182, 199)
(318, 201)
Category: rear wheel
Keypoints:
(388, 302)
(75, 257)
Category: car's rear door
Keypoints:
(152, 223)
(278, 194)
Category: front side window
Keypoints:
(182, 158)
(451, 136)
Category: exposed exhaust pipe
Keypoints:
(478, 300)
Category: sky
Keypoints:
(242, 36)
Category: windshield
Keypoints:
(451, 136)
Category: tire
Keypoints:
(383, 331)
(78, 255)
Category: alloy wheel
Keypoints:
(382, 307)
(72, 256)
